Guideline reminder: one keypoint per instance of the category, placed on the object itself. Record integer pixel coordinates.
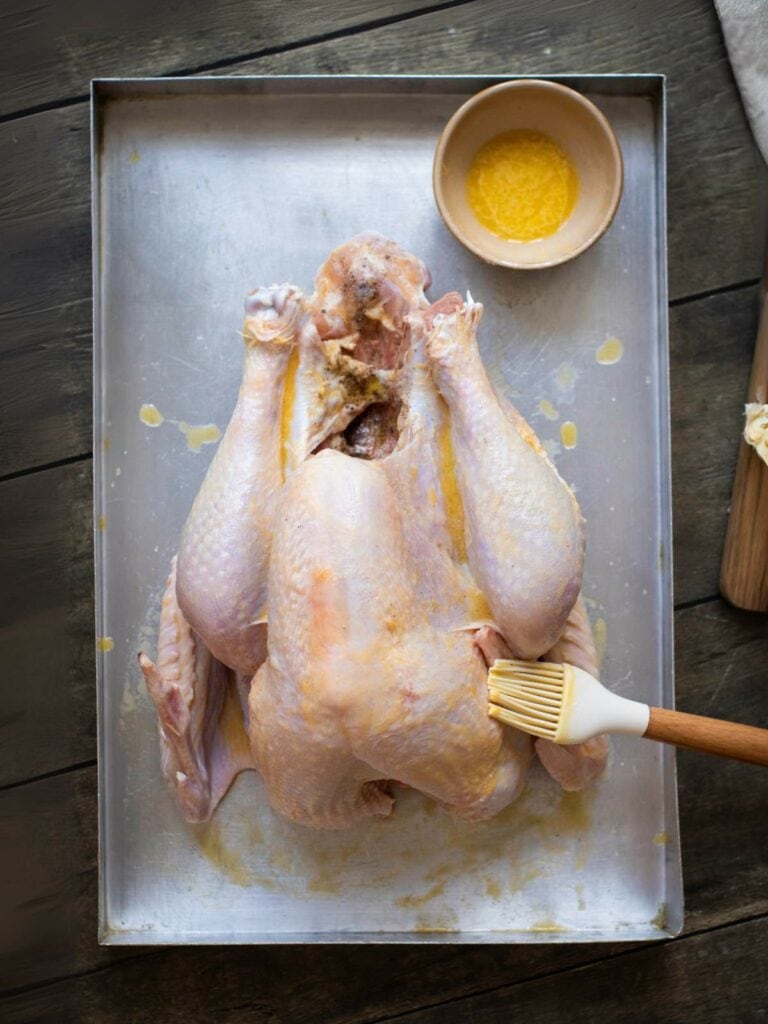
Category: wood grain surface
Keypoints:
(52, 51)
(744, 571)
(47, 653)
(51, 968)
(709, 735)
(711, 343)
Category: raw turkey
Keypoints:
(376, 526)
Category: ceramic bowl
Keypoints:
(567, 117)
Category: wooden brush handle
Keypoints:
(744, 570)
(741, 742)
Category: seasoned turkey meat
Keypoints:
(376, 526)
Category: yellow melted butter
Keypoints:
(479, 609)
(569, 434)
(547, 409)
(522, 185)
(207, 433)
(610, 352)
(499, 857)
(492, 889)
(418, 901)
(286, 415)
(659, 919)
(232, 728)
(197, 436)
(150, 415)
(213, 846)
(600, 632)
(565, 376)
(454, 508)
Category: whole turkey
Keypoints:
(377, 526)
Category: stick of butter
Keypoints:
(756, 428)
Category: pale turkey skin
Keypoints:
(374, 527)
(360, 681)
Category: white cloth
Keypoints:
(745, 27)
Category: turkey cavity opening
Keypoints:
(372, 434)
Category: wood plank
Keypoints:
(744, 572)
(714, 977)
(46, 623)
(50, 53)
(718, 977)
(46, 383)
(45, 290)
(720, 671)
(724, 828)
(47, 851)
(714, 178)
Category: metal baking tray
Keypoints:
(204, 188)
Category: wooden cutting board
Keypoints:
(744, 570)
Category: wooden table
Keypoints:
(52, 969)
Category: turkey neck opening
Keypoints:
(372, 434)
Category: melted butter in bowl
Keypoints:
(527, 174)
(522, 185)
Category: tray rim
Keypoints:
(650, 84)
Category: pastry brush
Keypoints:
(565, 704)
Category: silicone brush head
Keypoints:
(531, 696)
(562, 703)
